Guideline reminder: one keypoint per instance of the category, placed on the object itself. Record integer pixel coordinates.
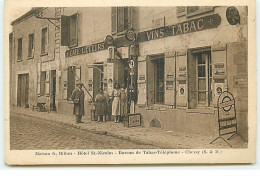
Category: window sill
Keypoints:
(72, 46)
(44, 54)
(209, 110)
(19, 60)
(29, 58)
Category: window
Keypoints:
(121, 19)
(30, 45)
(42, 83)
(19, 49)
(44, 42)
(69, 30)
(204, 78)
(193, 10)
(73, 39)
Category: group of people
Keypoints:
(105, 105)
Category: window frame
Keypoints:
(30, 56)
(117, 17)
(45, 52)
(19, 55)
(208, 77)
(201, 10)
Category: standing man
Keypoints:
(78, 99)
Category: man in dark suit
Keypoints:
(78, 99)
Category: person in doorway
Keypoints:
(123, 101)
(109, 105)
(78, 97)
(101, 106)
(116, 103)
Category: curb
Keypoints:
(128, 138)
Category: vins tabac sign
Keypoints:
(195, 25)
(203, 23)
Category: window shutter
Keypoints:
(150, 82)
(39, 83)
(170, 78)
(65, 25)
(47, 85)
(130, 19)
(181, 77)
(141, 83)
(120, 19)
(181, 11)
(219, 58)
(65, 83)
(113, 20)
(90, 83)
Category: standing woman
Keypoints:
(101, 106)
(123, 101)
(116, 102)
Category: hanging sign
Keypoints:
(130, 35)
(233, 16)
(109, 40)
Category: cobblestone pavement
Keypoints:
(29, 133)
(141, 135)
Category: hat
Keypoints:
(79, 83)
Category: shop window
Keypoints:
(19, 49)
(121, 19)
(42, 83)
(44, 41)
(30, 45)
(204, 78)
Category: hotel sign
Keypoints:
(195, 25)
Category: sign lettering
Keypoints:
(85, 49)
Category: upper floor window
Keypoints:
(193, 10)
(121, 19)
(44, 42)
(69, 30)
(30, 45)
(19, 49)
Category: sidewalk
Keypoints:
(153, 136)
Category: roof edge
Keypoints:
(27, 14)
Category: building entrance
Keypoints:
(23, 90)
(53, 91)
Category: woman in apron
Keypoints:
(116, 103)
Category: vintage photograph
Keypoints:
(128, 77)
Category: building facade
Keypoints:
(175, 61)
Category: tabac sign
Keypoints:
(203, 23)
(226, 106)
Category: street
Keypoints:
(30, 133)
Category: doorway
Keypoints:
(53, 91)
(23, 90)
(98, 78)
